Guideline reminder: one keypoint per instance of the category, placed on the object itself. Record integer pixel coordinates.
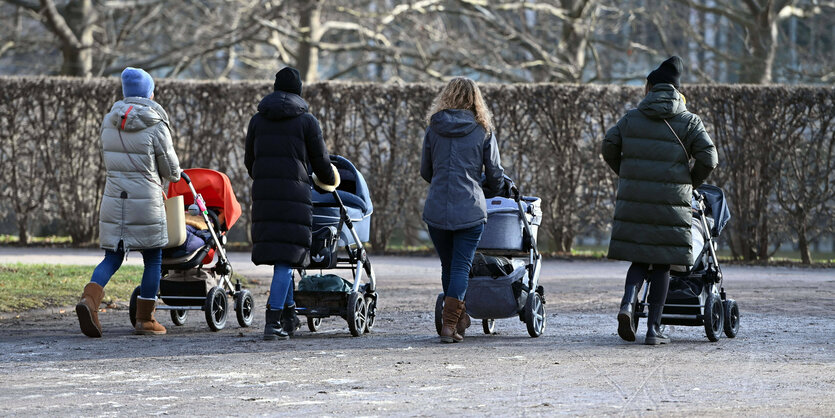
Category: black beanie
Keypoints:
(669, 72)
(288, 80)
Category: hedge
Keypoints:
(776, 145)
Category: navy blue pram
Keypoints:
(341, 224)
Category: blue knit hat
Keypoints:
(137, 83)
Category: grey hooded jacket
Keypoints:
(455, 150)
(655, 181)
(138, 154)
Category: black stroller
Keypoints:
(341, 219)
(513, 289)
(697, 295)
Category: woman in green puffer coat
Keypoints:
(650, 149)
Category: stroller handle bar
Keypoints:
(184, 176)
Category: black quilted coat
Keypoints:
(283, 142)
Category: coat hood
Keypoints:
(453, 122)
(282, 105)
(141, 114)
(662, 102)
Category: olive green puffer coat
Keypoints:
(652, 212)
(138, 155)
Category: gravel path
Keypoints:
(782, 363)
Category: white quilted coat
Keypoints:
(132, 209)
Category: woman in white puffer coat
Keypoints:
(139, 155)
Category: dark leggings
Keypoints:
(658, 277)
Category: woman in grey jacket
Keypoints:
(138, 155)
(459, 144)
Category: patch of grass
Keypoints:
(37, 286)
(51, 239)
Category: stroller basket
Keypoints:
(499, 297)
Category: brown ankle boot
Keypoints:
(87, 310)
(145, 322)
(463, 320)
(452, 311)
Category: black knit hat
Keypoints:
(669, 72)
(288, 80)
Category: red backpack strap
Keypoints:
(125, 117)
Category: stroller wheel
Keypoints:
(714, 317)
(244, 308)
(535, 315)
(178, 316)
(132, 306)
(731, 318)
(357, 314)
(313, 324)
(637, 309)
(439, 313)
(371, 311)
(215, 308)
(489, 326)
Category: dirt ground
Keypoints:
(782, 362)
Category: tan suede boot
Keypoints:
(145, 322)
(452, 311)
(463, 320)
(87, 310)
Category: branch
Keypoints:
(58, 24)
(25, 4)
(129, 4)
(731, 13)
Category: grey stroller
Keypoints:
(697, 295)
(510, 232)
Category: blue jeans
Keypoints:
(281, 288)
(456, 250)
(150, 277)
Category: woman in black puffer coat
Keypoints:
(282, 141)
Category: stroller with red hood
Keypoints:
(186, 283)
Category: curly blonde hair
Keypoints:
(463, 93)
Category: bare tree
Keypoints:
(806, 186)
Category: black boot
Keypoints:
(290, 321)
(272, 328)
(654, 335)
(626, 327)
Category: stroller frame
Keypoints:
(359, 306)
(215, 303)
(715, 311)
(533, 314)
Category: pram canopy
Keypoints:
(216, 190)
(353, 190)
(717, 206)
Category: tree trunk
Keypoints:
(763, 47)
(803, 245)
(78, 61)
(761, 43)
(22, 230)
(74, 29)
(307, 61)
(575, 36)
